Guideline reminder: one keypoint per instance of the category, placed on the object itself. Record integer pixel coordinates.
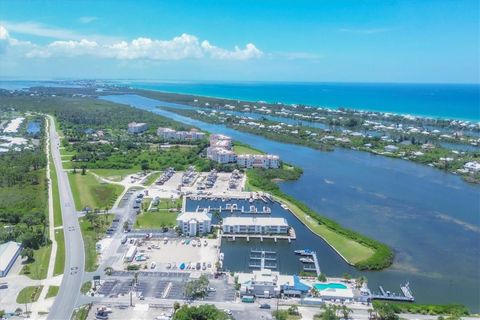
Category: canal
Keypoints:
(430, 218)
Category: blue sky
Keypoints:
(349, 41)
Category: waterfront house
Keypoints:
(391, 148)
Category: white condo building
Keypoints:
(170, 134)
(195, 223)
(258, 161)
(221, 155)
(134, 127)
(221, 141)
(253, 225)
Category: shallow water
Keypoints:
(430, 218)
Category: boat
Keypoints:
(284, 206)
(305, 252)
(306, 260)
(182, 266)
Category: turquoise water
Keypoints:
(459, 101)
(332, 285)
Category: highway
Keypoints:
(74, 251)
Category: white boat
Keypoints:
(306, 260)
(305, 252)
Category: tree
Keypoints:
(28, 253)
(202, 312)
(314, 291)
(176, 306)
(329, 313)
(386, 311)
(144, 165)
(126, 225)
(347, 276)
(84, 171)
(280, 314)
(322, 277)
(293, 310)
(345, 312)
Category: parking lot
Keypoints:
(163, 285)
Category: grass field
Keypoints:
(57, 211)
(90, 240)
(60, 257)
(89, 192)
(52, 291)
(148, 220)
(86, 286)
(166, 203)
(38, 269)
(151, 178)
(115, 174)
(244, 149)
(29, 294)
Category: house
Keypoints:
(134, 127)
(254, 225)
(391, 148)
(266, 283)
(195, 223)
(9, 253)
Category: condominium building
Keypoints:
(254, 225)
(195, 223)
(170, 134)
(221, 155)
(134, 127)
(221, 141)
(258, 161)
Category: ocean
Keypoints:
(453, 101)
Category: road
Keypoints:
(74, 251)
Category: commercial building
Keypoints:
(134, 127)
(9, 253)
(266, 283)
(170, 134)
(265, 161)
(195, 223)
(254, 225)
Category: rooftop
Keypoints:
(260, 221)
(7, 252)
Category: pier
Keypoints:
(387, 295)
(308, 267)
(262, 259)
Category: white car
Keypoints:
(228, 311)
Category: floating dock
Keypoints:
(262, 259)
(315, 267)
(406, 295)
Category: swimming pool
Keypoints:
(333, 285)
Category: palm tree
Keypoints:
(370, 313)
(345, 312)
(314, 291)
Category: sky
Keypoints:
(242, 40)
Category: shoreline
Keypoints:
(361, 109)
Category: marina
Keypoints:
(406, 295)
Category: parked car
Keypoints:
(265, 306)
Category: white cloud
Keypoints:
(185, 46)
(87, 19)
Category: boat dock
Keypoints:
(263, 259)
(406, 295)
(315, 267)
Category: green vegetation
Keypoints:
(60, 257)
(89, 192)
(29, 294)
(196, 288)
(202, 312)
(363, 252)
(241, 148)
(23, 198)
(430, 309)
(86, 287)
(116, 175)
(82, 312)
(290, 314)
(52, 291)
(93, 226)
(151, 178)
(57, 211)
(150, 220)
(37, 268)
